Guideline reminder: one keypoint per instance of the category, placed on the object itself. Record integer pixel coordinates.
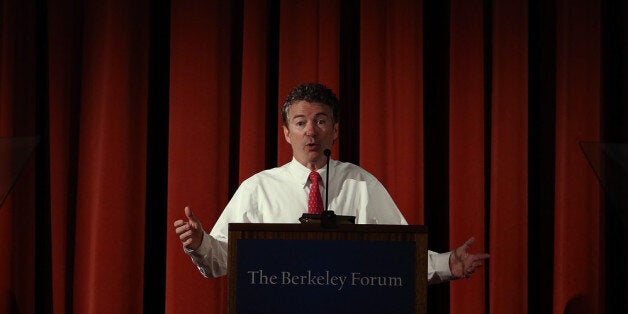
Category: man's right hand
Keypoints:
(190, 232)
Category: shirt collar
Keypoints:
(301, 173)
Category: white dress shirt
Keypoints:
(279, 195)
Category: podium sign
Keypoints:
(286, 268)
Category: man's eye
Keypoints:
(300, 123)
(320, 122)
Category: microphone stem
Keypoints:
(327, 183)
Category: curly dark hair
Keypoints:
(314, 93)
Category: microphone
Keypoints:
(327, 153)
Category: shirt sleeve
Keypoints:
(211, 257)
(438, 267)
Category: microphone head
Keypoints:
(327, 152)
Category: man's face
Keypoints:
(310, 131)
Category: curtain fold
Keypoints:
(256, 89)
(577, 240)
(17, 119)
(467, 133)
(508, 157)
(391, 101)
(198, 172)
(308, 30)
(109, 229)
(65, 57)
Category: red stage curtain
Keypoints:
(509, 157)
(578, 244)
(308, 52)
(391, 100)
(467, 134)
(75, 231)
(256, 42)
(110, 196)
(17, 119)
(199, 141)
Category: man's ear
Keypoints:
(286, 134)
(336, 129)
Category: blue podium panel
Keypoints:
(325, 276)
(311, 268)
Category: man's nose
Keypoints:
(310, 129)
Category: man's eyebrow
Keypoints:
(316, 115)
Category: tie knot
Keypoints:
(314, 176)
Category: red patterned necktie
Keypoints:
(315, 200)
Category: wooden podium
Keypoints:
(305, 268)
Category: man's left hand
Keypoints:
(463, 264)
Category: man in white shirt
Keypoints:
(280, 195)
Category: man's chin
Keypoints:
(314, 155)
(316, 158)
